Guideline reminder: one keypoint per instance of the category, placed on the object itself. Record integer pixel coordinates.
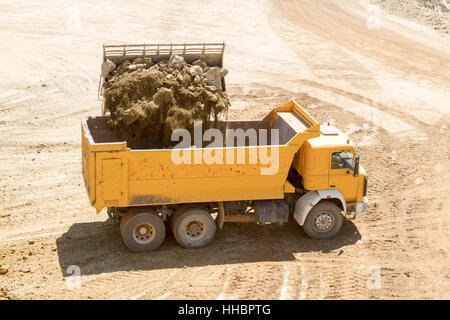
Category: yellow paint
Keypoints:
(313, 162)
(288, 187)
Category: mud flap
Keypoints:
(350, 215)
(220, 216)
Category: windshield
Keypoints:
(342, 160)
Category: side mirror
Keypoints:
(356, 171)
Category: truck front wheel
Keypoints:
(194, 227)
(323, 221)
(142, 230)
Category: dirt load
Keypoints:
(147, 101)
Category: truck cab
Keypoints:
(329, 169)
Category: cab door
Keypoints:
(342, 164)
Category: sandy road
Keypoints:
(388, 88)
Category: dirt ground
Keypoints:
(435, 13)
(384, 80)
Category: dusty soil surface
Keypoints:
(387, 87)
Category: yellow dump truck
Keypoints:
(285, 165)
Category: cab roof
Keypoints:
(331, 137)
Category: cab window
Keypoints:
(342, 160)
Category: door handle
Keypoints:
(332, 185)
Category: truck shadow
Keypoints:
(96, 247)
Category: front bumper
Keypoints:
(361, 207)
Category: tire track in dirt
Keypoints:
(261, 282)
(395, 122)
(201, 282)
(48, 231)
(155, 284)
(293, 31)
(405, 235)
(404, 116)
(54, 101)
(226, 285)
(295, 283)
(143, 285)
(313, 280)
(14, 102)
(38, 103)
(331, 23)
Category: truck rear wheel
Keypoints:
(324, 221)
(193, 227)
(142, 230)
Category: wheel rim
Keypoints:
(323, 222)
(195, 229)
(144, 233)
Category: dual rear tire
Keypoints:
(143, 230)
(193, 227)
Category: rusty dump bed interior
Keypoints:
(287, 123)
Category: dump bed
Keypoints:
(119, 176)
(210, 53)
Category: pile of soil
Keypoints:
(435, 13)
(147, 101)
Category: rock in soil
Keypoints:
(4, 269)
